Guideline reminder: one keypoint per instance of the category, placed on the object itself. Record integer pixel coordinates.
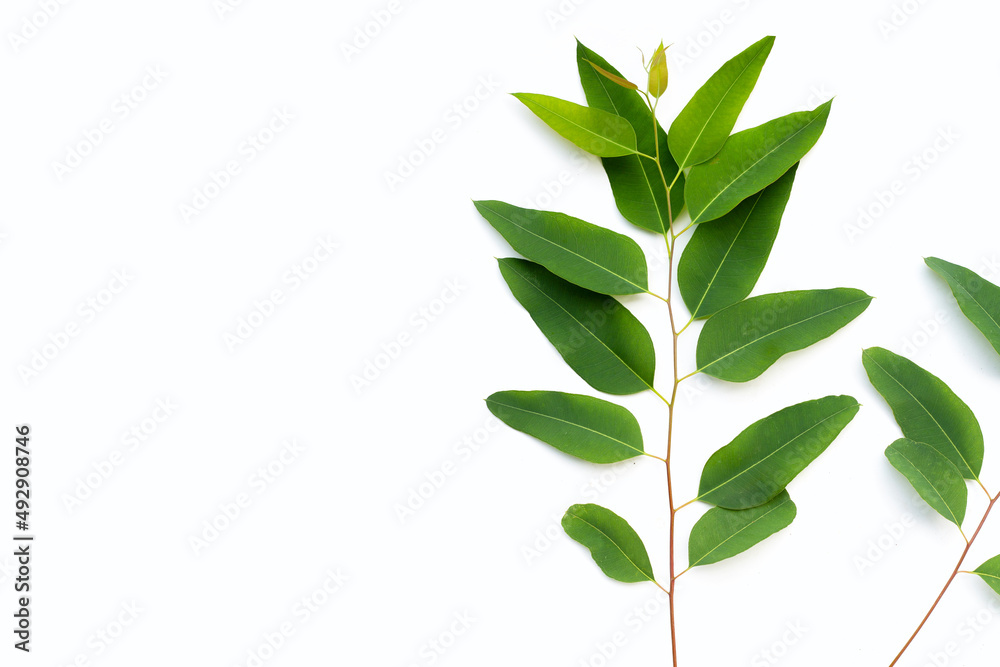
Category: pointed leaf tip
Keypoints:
(614, 545)
(721, 533)
(990, 573)
(767, 455)
(596, 131)
(934, 477)
(621, 81)
(750, 161)
(589, 428)
(703, 126)
(926, 409)
(978, 298)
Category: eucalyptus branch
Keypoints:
(947, 585)
(572, 270)
(944, 446)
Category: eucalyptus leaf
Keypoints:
(742, 341)
(597, 336)
(760, 462)
(935, 478)
(636, 182)
(926, 409)
(978, 298)
(750, 161)
(588, 428)
(704, 124)
(990, 573)
(584, 254)
(614, 545)
(721, 533)
(595, 131)
(721, 263)
(620, 80)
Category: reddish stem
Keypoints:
(954, 574)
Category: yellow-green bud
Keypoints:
(658, 72)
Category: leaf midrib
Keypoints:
(916, 469)
(974, 300)
(609, 539)
(787, 326)
(631, 150)
(568, 250)
(722, 99)
(642, 168)
(777, 450)
(752, 166)
(740, 531)
(582, 325)
(580, 426)
(729, 250)
(929, 414)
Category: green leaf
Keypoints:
(723, 260)
(926, 409)
(615, 546)
(744, 340)
(584, 254)
(750, 161)
(588, 428)
(990, 573)
(760, 462)
(978, 298)
(720, 533)
(636, 182)
(703, 126)
(595, 131)
(597, 336)
(620, 80)
(935, 478)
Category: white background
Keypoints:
(467, 551)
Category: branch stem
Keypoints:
(955, 573)
(671, 240)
